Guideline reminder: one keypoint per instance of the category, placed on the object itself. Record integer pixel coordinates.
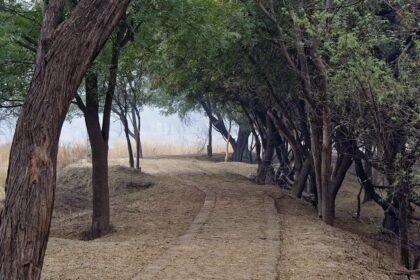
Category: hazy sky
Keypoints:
(155, 127)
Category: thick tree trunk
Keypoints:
(64, 55)
(100, 195)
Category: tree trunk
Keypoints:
(210, 140)
(227, 141)
(316, 159)
(328, 202)
(99, 137)
(268, 154)
(127, 139)
(136, 121)
(416, 263)
(403, 227)
(100, 190)
(390, 221)
(64, 54)
(99, 146)
(138, 149)
(301, 178)
(256, 137)
(339, 175)
(241, 144)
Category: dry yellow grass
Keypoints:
(4, 162)
(118, 148)
(70, 153)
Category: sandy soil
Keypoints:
(311, 249)
(191, 219)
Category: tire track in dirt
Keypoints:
(234, 236)
(150, 271)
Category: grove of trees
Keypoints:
(319, 88)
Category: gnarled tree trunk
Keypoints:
(263, 168)
(64, 54)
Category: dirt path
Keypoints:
(199, 220)
(237, 224)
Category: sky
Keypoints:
(154, 127)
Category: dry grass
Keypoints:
(4, 162)
(70, 153)
(118, 148)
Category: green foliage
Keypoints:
(18, 37)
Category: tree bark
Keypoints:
(127, 139)
(302, 177)
(100, 190)
(403, 225)
(316, 159)
(121, 110)
(328, 201)
(338, 177)
(99, 146)
(138, 150)
(268, 153)
(210, 140)
(241, 144)
(227, 141)
(256, 137)
(137, 126)
(64, 54)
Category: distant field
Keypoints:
(70, 153)
(118, 148)
(4, 162)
